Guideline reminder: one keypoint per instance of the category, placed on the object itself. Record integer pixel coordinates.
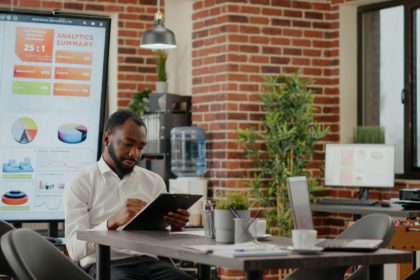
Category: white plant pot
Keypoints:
(161, 87)
(224, 224)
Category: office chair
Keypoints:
(4, 267)
(373, 226)
(32, 257)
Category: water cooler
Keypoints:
(188, 163)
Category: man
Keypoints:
(109, 193)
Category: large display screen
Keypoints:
(52, 91)
(360, 165)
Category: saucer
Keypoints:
(306, 251)
(264, 237)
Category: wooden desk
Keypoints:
(172, 245)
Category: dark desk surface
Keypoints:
(172, 245)
(393, 211)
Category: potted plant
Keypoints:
(223, 218)
(283, 147)
(161, 84)
(139, 102)
(369, 134)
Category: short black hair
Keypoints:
(118, 118)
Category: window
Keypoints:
(387, 77)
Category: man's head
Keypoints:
(124, 139)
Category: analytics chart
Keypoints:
(52, 89)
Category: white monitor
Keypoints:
(360, 165)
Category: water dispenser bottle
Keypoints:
(188, 151)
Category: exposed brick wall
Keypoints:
(235, 43)
(136, 68)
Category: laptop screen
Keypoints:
(299, 200)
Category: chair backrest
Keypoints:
(4, 267)
(299, 201)
(372, 226)
(33, 257)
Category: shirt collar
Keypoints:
(103, 166)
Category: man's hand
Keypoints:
(131, 207)
(177, 219)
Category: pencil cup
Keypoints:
(208, 222)
(245, 229)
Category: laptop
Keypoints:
(302, 216)
(350, 244)
(299, 202)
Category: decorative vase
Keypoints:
(161, 87)
(224, 224)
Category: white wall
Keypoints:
(178, 18)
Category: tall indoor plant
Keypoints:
(161, 84)
(283, 147)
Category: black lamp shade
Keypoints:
(158, 37)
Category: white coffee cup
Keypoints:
(261, 227)
(304, 238)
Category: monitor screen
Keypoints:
(52, 92)
(360, 165)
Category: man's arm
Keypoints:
(76, 199)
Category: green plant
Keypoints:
(238, 201)
(161, 56)
(139, 102)
(283, 147)
(369, 134)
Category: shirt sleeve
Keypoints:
(76, 201)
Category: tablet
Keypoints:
(151, 216)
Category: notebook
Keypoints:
(299, 201)
(350, 244)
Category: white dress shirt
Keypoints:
(93, 196)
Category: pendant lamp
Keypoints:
(158, 37)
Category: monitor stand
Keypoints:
(364, 197)
(364, 193)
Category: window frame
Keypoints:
(408, 93)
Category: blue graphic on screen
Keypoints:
(24, 166)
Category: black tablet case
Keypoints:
(151, 217)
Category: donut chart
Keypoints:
(24, 130)
(72, 133)
(14, 197)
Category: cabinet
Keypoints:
(165, 112)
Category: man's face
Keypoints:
(124, 147)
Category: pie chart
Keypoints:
(14, 197)
(24, 130)
(72, 133)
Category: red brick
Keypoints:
(50, 5)
(73, 6)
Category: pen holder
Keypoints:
(245, 229)
(208, 222)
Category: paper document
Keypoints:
(189, 232)
(240, 250)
